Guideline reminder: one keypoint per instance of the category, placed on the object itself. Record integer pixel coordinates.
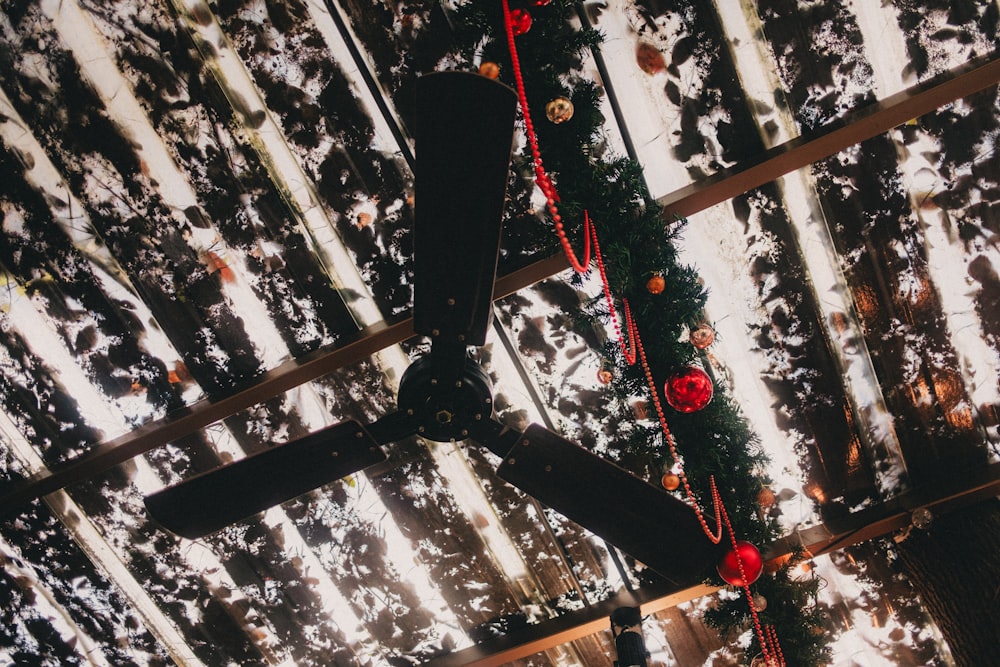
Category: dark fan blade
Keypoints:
(464, 130)
(641, 520)
(210, 501)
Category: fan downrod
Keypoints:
(446, 406)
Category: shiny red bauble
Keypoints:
(520, 21)
(688, 390)
(753, 564)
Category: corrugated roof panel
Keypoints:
(206, 207)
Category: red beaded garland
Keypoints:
(688, 389)
(512, 20)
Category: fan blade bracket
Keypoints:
(205, 503)
(650, 525)
(464, 134)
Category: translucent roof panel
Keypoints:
(206, 215)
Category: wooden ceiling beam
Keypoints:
(877, 521)
(285, 377)
(800, 152)
(863, 124)
(566, 628)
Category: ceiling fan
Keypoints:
(464, 130)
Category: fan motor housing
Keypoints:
(445, 409)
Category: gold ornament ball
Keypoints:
(760, 602)
(703, 336)
(559, 110)
(670, 481)
(604, 376)
(490, 70)
(656, 284)
(765, 497)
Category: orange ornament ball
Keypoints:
(670, 481)
(702, 337)
(490, 70)
(604, 376)
(649, 58)
(656, 284)
(559, 110)
(765, 497)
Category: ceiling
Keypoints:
(206, 229)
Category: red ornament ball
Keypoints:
(689, 389)
(656, 284)
(520, 21)
(702, 337)
(753, 564)
(670, 481)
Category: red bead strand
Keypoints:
(541, 177)
(775, 646)
(716, 497)
(627, 350)
(633, 348)
(716, 535)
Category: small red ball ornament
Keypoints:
(702, 337)
(753, 564)
(670, 481)
(656, 284)
(520, 21)
(688, 390)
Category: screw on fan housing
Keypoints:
(445, 410)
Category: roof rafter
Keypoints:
(872, 522)
(796, 154)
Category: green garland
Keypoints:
(637, 243)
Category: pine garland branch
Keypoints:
(636, 244)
